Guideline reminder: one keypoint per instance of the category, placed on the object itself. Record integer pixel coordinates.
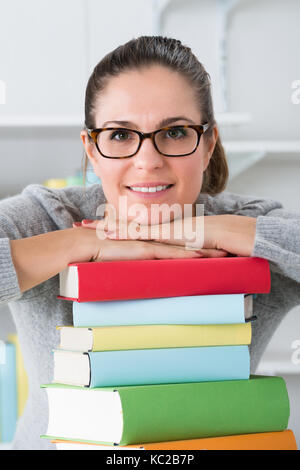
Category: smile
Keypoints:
(150, 190)
(154, 189)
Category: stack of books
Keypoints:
(157, 358)
(13, 387)
(74, 180)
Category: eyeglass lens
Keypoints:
(123, 143)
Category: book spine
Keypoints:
(198, 309)
(22, 379)
(8, 394)
(170, 365)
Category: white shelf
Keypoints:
(239, 162)
(223, 119)
(41, 121)
(242, 155)
(277, 368)
(265, 146)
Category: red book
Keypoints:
(142, 279)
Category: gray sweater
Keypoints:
(37, 312)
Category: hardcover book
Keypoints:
(151, 366)
(282, 440)
(190, 310)
(169, 412)
(137, 279)
(117, 338)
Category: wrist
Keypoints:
(81, 245)
(236, 234)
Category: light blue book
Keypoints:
(151, 366)
(8, 394)
(187, 310)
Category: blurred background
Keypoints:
(250, 48)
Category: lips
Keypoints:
(149, 185)
(150, 189)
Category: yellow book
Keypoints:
(55, 183)
(109, 338)
(22, 380)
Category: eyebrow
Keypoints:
(162, 123)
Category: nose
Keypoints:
(148, 158)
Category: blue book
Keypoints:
(187, 310)
(8, 393)
(151, 366)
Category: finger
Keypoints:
(135, 231)
(132, 249)
(212, 253)
(161, 250)
(204, 252)
(95, 224)
(129, 231)
(171, 233)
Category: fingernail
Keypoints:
(87, 221)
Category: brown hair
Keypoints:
(159, 50)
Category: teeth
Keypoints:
(153, 189)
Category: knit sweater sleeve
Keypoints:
(277, 239)
(20, 217)
(35, 210)
(277, 236)
(9, 286)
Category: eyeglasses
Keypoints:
(175, 141)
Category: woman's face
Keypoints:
(144, 98)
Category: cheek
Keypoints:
(111, 173)
(190, 173)
(107, 170)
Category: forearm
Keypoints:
(37, 259)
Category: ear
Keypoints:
(89, 146)
(211, 143)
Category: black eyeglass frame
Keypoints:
(199, 128)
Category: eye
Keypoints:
(176, 133)
(121, 133)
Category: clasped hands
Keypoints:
(221, 235)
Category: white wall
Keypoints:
(42, 55)
(48, 49)
(263, 45)
(264, 61)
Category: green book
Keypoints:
(152, 413)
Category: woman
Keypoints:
(145, 85)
